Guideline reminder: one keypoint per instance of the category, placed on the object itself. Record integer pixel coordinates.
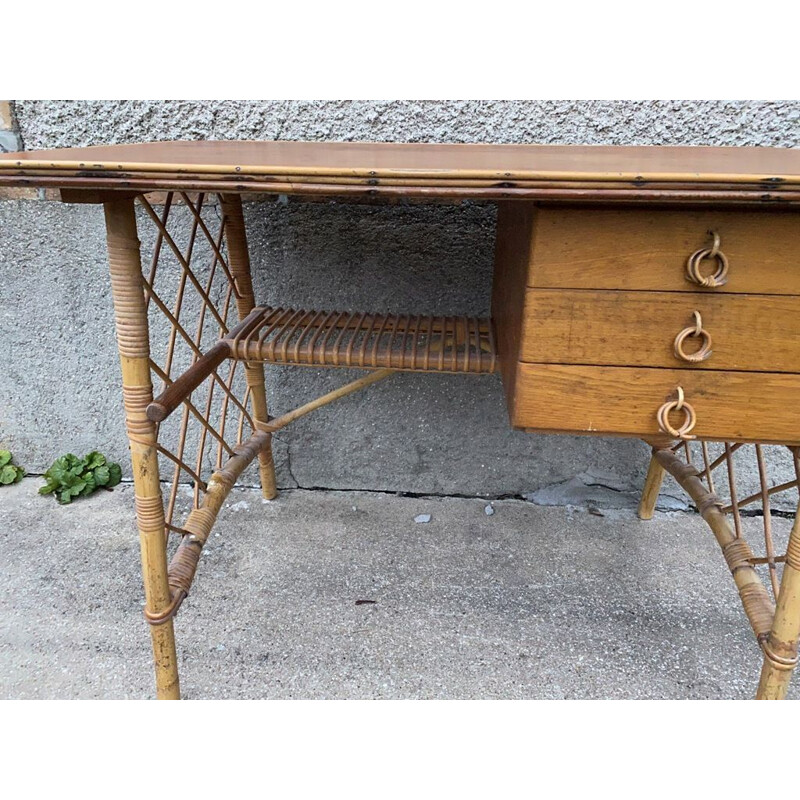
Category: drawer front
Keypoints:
(758, 333)
(602, 248)
(624, 401)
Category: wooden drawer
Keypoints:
(755, 333)
(647, 248)
(624, 401)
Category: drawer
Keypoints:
(647, 248)
(624, 401)
(759, 333)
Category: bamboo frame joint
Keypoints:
(171, 610)
(782, 663)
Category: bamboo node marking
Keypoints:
(710, 501)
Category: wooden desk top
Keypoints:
(701, 174)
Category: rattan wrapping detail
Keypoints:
(793, 550)
(758, 607)
(128, 294)
(135, 400)
(737, 554)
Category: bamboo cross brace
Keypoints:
(738, 555)
(203, 367)
(197, 527)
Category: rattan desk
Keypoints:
(647, 292)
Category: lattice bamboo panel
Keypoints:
(191, 298)
(737, 482)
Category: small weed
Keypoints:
(70, 477)
(9, 473)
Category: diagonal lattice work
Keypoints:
(731, 487)
(737, 475)
(206, 337)
(191, 296)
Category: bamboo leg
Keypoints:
(652, 486)
(134, 352)
(780, 649)
(239, 263)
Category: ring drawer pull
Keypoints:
(677, 405)
(694, 331)
(720, 277)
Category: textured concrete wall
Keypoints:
(10, 140)
(63, 124)
(415, 433)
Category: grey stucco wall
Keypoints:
(427, 434)
(709, 122)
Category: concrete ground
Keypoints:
(529, 602)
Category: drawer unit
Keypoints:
(624, 401)
(597, 325)
(647, 249)
(755, 333)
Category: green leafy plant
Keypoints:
(9, 473)
(70, 477)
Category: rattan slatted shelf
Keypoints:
(390, 343)
(351, 339)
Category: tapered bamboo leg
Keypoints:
(134, 352)
(239, 263)
(780, 649)
(652, 486)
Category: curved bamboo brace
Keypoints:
(198, 524)
(183, 565)
(738, 555)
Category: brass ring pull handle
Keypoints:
(677, 405)
(720, 277)
(694, 331)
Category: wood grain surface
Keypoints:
(577, 326)
(644, 248)
(730, 406)
(512, 256)
(749, 174)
